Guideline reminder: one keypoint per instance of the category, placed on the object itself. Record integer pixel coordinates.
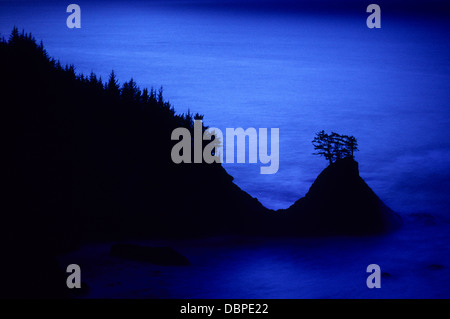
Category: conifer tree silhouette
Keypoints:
(130, 91)
(112, 86)
(334, 146)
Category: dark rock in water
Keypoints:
(339, 203)
(425, 218)
(435, 267)
(165, 256)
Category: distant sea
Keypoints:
(300, 72)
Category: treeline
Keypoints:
(129, 92)
(91, 159)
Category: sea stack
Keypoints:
(339, 203)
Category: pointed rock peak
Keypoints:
(340, 202)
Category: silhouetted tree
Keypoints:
(94, 82)
(334, 146)
(130, 91)
(159, 97)
(43, 52)
(337, 146)
(323, 144)
(351, 145)
(112, 87)
(144, 96)
(14, 37)
(70, 71)
(152, 97)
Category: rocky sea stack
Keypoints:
(339, 203)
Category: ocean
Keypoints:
(414, 263)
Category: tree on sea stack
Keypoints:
(334, 146)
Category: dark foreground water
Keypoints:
(415, 263)
(300, 72)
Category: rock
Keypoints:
(165, 256)
(435, 267)
(340, 203)
(424, 218)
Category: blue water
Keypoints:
(414, 263)
(300, 72)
